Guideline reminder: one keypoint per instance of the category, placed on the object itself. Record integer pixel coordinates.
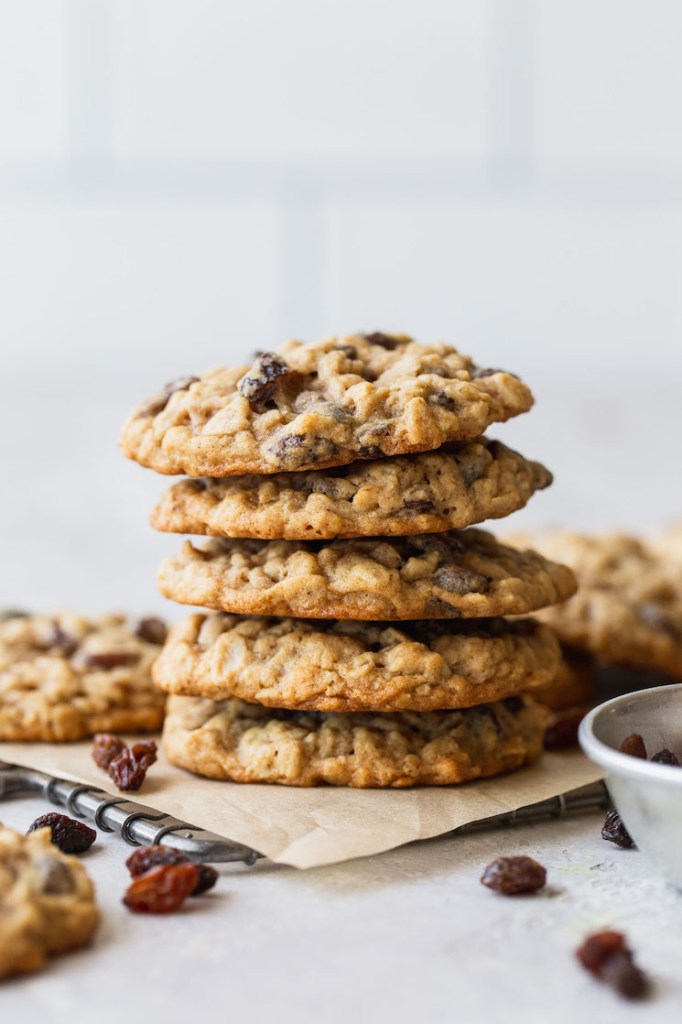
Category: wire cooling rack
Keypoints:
(140, 825)
(136, 823)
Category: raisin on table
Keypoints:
(608, 958)
(161, 890)
(148, 857)
(69, 835)
(614, 831)
(514, 876)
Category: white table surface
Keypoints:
(410, 935)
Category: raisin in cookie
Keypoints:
(457, 486)
(628, 609)
(445, 575)
(356, 666)
(47, 902)
(64, 677)
(325, 404)
(248, 743)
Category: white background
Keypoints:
(184, 181)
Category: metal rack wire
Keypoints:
(136, 823)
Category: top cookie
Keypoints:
(628, 609)
(461, 484)
(64, 677)
(325, 404)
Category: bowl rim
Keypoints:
(625, 764)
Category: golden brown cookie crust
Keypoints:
(47, 902)
(247, 743)
(324, 404)
(64, 677)
(465, 574)
(628, 609)
(356, 666)
(457, 486)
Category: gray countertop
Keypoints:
(408, 935)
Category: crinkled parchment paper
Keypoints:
(309, 827)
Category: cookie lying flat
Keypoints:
(446, 575)
(47, 902)
(326, 404)
(248, 743)
(356, 666)
(628, 610)
(454, 487)
(64, 677)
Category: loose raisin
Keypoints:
(513, 876)
(596, 949)
(614, 831)
(152, 629)
(562, 731)
(161, 890)
(148, 857)
(633, 745)
(621, 973)
(145, 752)
(607, 956)
(105, 748)
(69, 835)
(666, 756)
(208, 876)
(127, 771)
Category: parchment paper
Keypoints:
(309, 827)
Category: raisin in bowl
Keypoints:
(647, 794)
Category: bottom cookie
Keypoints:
(47, 902)
(248, 743)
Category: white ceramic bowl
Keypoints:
(648, 796)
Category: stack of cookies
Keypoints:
(356, 633)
